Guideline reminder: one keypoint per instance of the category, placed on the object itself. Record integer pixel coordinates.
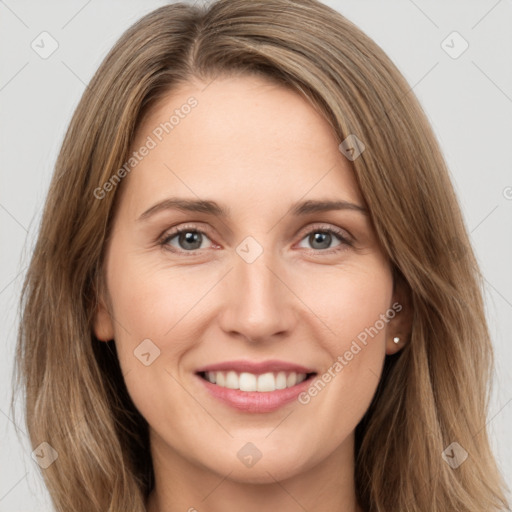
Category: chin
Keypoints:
(265, 474)
(266, 470)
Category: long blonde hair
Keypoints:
(432, 393)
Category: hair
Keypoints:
(433, 392)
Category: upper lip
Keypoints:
(255, 367)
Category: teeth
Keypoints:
(250, 382)
(291, 380)
(266, 382)
(218, 378)
(281, 380)
(232, 381)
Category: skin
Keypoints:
(256, 148)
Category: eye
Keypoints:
(187, 239)
(321, 238)
(190, 239)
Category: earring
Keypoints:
(396, 339)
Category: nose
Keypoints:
(258, 305)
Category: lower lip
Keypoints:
(256, 401)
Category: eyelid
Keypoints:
(342, 233)
(174, 231)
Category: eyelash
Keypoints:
(166, 237)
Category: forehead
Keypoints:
(243, 137)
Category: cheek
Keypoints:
(348, 301)
(353, 303)
(150, 299)
(150, 308)
(162, 304)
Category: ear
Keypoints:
(102, 323)
(400, 326)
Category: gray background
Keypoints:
(467, 99)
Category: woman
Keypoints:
(255, 370)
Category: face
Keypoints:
(292, 304)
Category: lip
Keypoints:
(256, 401)
(255, 367)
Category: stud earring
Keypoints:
(396, 339)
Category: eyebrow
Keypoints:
(213, 208)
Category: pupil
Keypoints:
(319, 237)
(190, 238)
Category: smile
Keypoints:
(251, 393)
(263, 383)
